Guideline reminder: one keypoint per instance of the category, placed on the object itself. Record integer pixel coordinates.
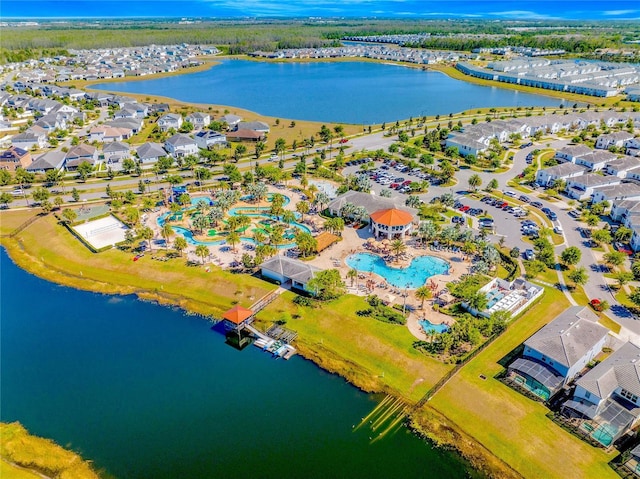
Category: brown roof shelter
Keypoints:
(324, 240)
(237, 315)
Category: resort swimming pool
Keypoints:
(414, 276)
(429, 327)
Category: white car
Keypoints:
(274, 158)
(510, 193)
(17, 192)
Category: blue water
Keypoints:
(414, 276)
(348, 92)
(429, 327)
(146, 391)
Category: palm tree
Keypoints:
(259, 237)
(427, 230)
(302, 207)
(478, 301)
(166, 232)
(322, 199)
(146, 234)
(180, 244)
(475, 182)
(352, 274)
(423, 293)
(202, 251)
(288, 216)
(398, 247)
(306, 243)
(312, 190)
(233, 239)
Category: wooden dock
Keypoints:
(277, 347)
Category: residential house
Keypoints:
(51, 160)
(621, 166)
(258, 126)
(595, 160)
(14, 158)
(571, 152)
(106, 134)
(207, 139)
(199, 120)
(608, 396)
(626, 212)
(29, 139)
(582, 187)
(617, 139)
(115, 152)
(150, 152)
(248, 135)
(80, 154)
(181, 145)
(170, 120)
(231, 120)
(133, 124)
(563, 171)
(288, 270)
(613, 193)
(466, 144)
(557, 352)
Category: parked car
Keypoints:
(529, 254)
(536, 204)
(524, 198)
(623, 248)
(457, 219)
(574, 214)
(510, 193)
(552, 216)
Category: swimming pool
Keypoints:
(414, 276)
(429, 327)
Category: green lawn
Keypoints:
(372, 354)
(510, 425)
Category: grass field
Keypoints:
(510, 425)
(64, 260)
(375, 356)
(36, 455)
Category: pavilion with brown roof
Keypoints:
(391, 223)
(324, 240)
(237, 317)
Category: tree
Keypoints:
(412, 201)
(601, 236)
(40, 194)
(303, 208)
(288, 216)
(146, 234)
(306, 243)
(423, 293)
(477, 301)
(475, 182)
(128, 165)
(75, 195)
(635, 297)
(84, 170)
(398, 247)
(622, 278)
(58, 202)
(571, 256)
(233, 238)
(180, 244)
(352, 274)
(622, 234)
(614, 258)
(326, 284)
(166, 232)
(202, 251)
(5, 177)
(578, 276)
(69, 215)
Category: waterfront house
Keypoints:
(466, 144)
(51, 160)
(150, 152)
(288, 271)
(248, 135)
(170, 120)
(557, 352)
(231, 120)
(607, 397)
(199, 120)
(258, 126)
(207, 139)
(14, 158)
(181, 145)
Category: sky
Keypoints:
(491, 9)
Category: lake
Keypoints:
(341, 92)
(147, 391)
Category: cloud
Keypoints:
(618, 12)
(523, 14)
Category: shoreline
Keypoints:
(448, 70)
(486, 462)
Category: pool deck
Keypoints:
(353, 241)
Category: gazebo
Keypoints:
(391, 223)
(237, 317)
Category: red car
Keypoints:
(407, 183)
(343, 140)
(465, 208)
(503, 205)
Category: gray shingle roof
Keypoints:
(290, 268)
(370, 202)
(151, 150)
(621, 369)
(569, 336)
(564, 169)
